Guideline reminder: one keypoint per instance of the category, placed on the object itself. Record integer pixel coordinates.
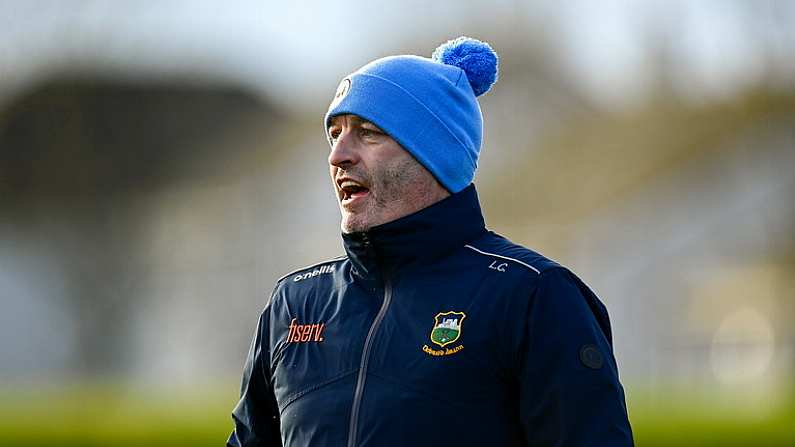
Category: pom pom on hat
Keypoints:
(476, 58)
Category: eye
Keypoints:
(369, 132)
(334, 133)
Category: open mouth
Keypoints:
(351, 190)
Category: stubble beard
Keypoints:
(395, 191)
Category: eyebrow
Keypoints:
(356, 120)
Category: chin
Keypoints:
(351, 224)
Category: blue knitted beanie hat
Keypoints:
(428, 106)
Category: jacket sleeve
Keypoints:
(256, 415)
(568, 379)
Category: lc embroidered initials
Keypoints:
(303, 333)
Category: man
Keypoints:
(432, 330)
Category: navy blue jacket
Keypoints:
(431, 331)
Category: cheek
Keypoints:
(397, 180)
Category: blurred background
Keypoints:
(163, 163)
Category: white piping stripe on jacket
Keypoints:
(503, 257)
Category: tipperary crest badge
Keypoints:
(447, 327)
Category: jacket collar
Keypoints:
(419, 237)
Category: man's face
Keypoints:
(376, 180)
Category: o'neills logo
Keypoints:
(318, 271)
(342, 91)
(304, 333)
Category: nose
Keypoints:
(344, 151)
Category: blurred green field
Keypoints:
(696, 419)
(108, 415)
(113, 415)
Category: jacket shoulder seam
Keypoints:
(307, 267)
(486, 253)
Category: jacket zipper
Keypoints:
(368, 343)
